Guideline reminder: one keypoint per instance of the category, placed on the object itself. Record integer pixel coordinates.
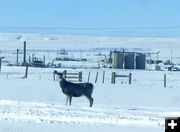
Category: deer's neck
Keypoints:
(62, 83)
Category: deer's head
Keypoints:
(60, 75)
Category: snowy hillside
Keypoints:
(53, 42)
(167, 47)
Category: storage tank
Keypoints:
(129, 61)
(117, 60)
(140, 61)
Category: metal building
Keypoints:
(129, 61)
(117, 60)
(140, 62)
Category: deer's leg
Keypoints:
(90, 100)
(67, 98)
(70, 99)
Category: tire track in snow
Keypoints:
(49, 113)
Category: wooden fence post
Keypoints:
(89, 76)
(113, 78)
(164, 80)
(80, 76)
(96, 77)
(26, 73)
(130, 77)
(103, 76)
(54, 77)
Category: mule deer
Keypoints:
(75, 89)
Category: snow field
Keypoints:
(38, 104)
(143, 104)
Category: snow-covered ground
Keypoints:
(38, 104)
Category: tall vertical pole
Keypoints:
(24, 61)
(0, 63)
(17, 59)
(81, 55)
(44, 60)
(110, 57)
(29, 60)
(171, 56)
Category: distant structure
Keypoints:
(140, 61)
(37, 62)
(128, 60)
(61, 52)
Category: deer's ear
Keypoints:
(55, 72)
(65, 71)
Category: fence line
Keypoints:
(26, 71)
(103, 76)
(114, 76)
(164, 80)
(77, 76)
(89, 74)
(96, 77)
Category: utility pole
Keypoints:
(81, 55)
(17, 57)
(24, 61)
(171, 56)
(0, 63)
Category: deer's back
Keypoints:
(77, 89)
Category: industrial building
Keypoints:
(128, 60)
(117, 60)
